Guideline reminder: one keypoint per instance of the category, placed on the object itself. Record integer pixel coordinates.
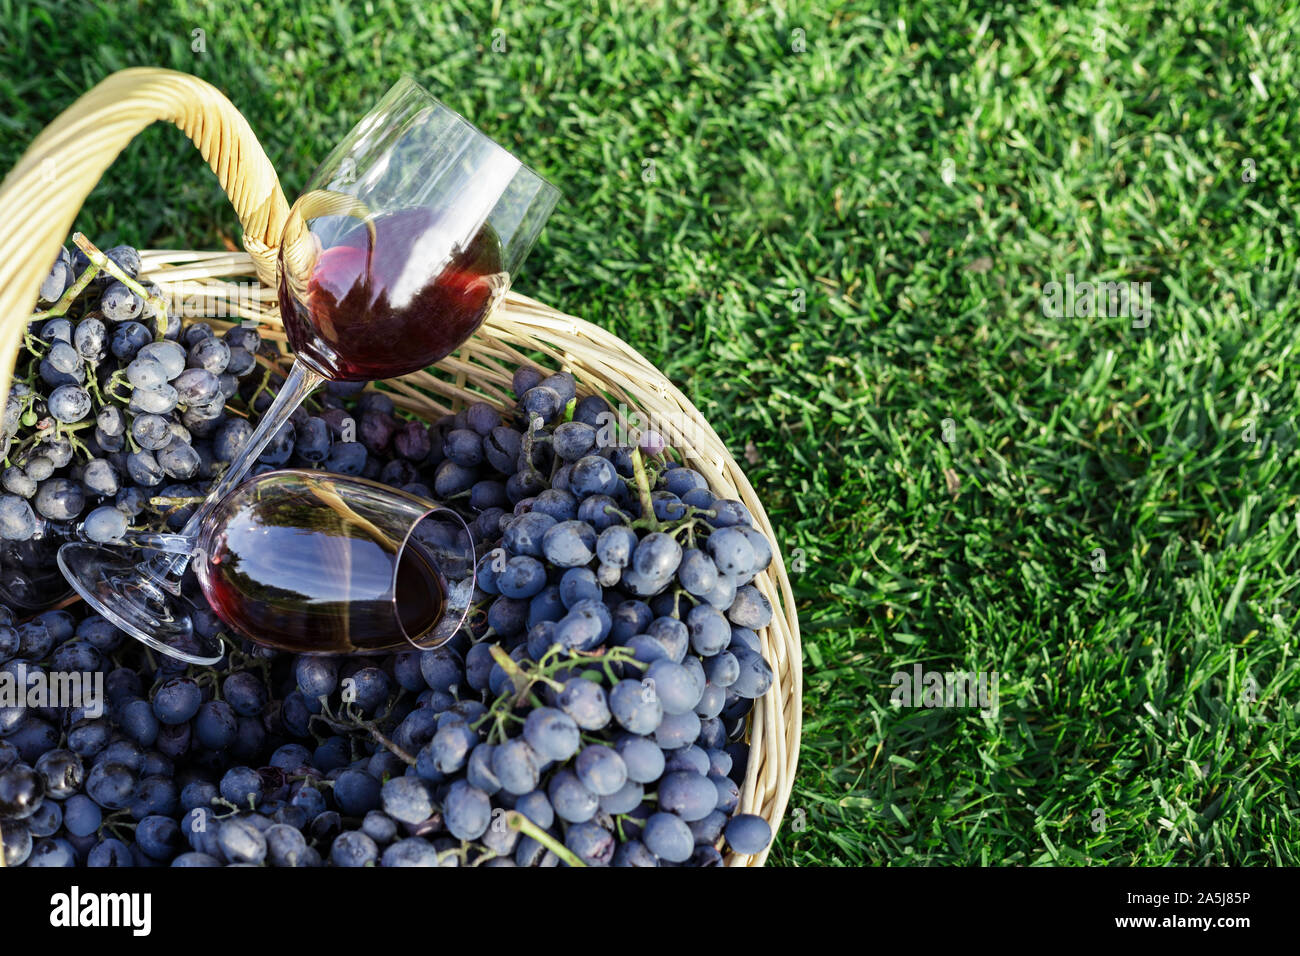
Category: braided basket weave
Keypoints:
(39, 201)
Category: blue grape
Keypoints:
(697, 572)
(573, 440)
(313, 440)
(316, 676)
(22, 790)
(353, 848)
(105, 524)
(516, 765)
(216, 725)
(241, 786)
(551, 733)
(673, 684)
(379, 827)
(689, 795)
(725, 592)
(245, 693)
(60, 499)
(579, 584)
(285, 845)
(442, 669)
(668, 837)
(584, 701)
(523, 577)
(600, 511)
(100, 477)
(636, 708)
(157, 836)
(593, 475)
(629, 618)
(711, 702)
(407, 800)
(677, 730)
(572, 801)
(525, 377)
(690, 758)
(615, 545)
(451, 746)
(559, 504)
(542, 401)
(467, 811)
(592, 844)
(46, 820)
(681, 480)
(209, 354)
(177, 701)
(750, 608)
(110, 852)
(642, 757)
(569, 544)
(478, 769)
(634, 853)
(709, 630)
(585, 626)
(349, 458)
(139, 722)
(110, 785)
(755, 674)
(82, 816)
(69, 403)
(748, 833)
(240, 841)
(524, 534)
(722, 669)
(464, 447)
(601, 770)
(413, 851)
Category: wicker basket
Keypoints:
(39, 201)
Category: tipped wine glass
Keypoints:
(316, 563)
(407, 236)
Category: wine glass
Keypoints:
(408, 234)
(310, 562)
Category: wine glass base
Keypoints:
(113, 585)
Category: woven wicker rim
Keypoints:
(44, 192)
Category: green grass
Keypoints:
(919, 172)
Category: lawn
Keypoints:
(834, 227)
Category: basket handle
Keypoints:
(41, 196)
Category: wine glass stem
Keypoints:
(167, 569)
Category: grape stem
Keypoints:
(517, 821)
(71, 293)
(350, 720)
(643, 490)
(101, 261)
(524, 675)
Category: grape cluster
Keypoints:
(592, 709)
(109, 411)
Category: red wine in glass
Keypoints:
(315, 563)
(391, 295)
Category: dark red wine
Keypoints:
(390, 301)
(291, 571)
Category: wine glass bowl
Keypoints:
(310, 562)
(405, 239)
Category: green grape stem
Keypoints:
(517, 821)
(643, 491)
(101, 261)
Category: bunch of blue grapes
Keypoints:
(593, 709)
(108, 412)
